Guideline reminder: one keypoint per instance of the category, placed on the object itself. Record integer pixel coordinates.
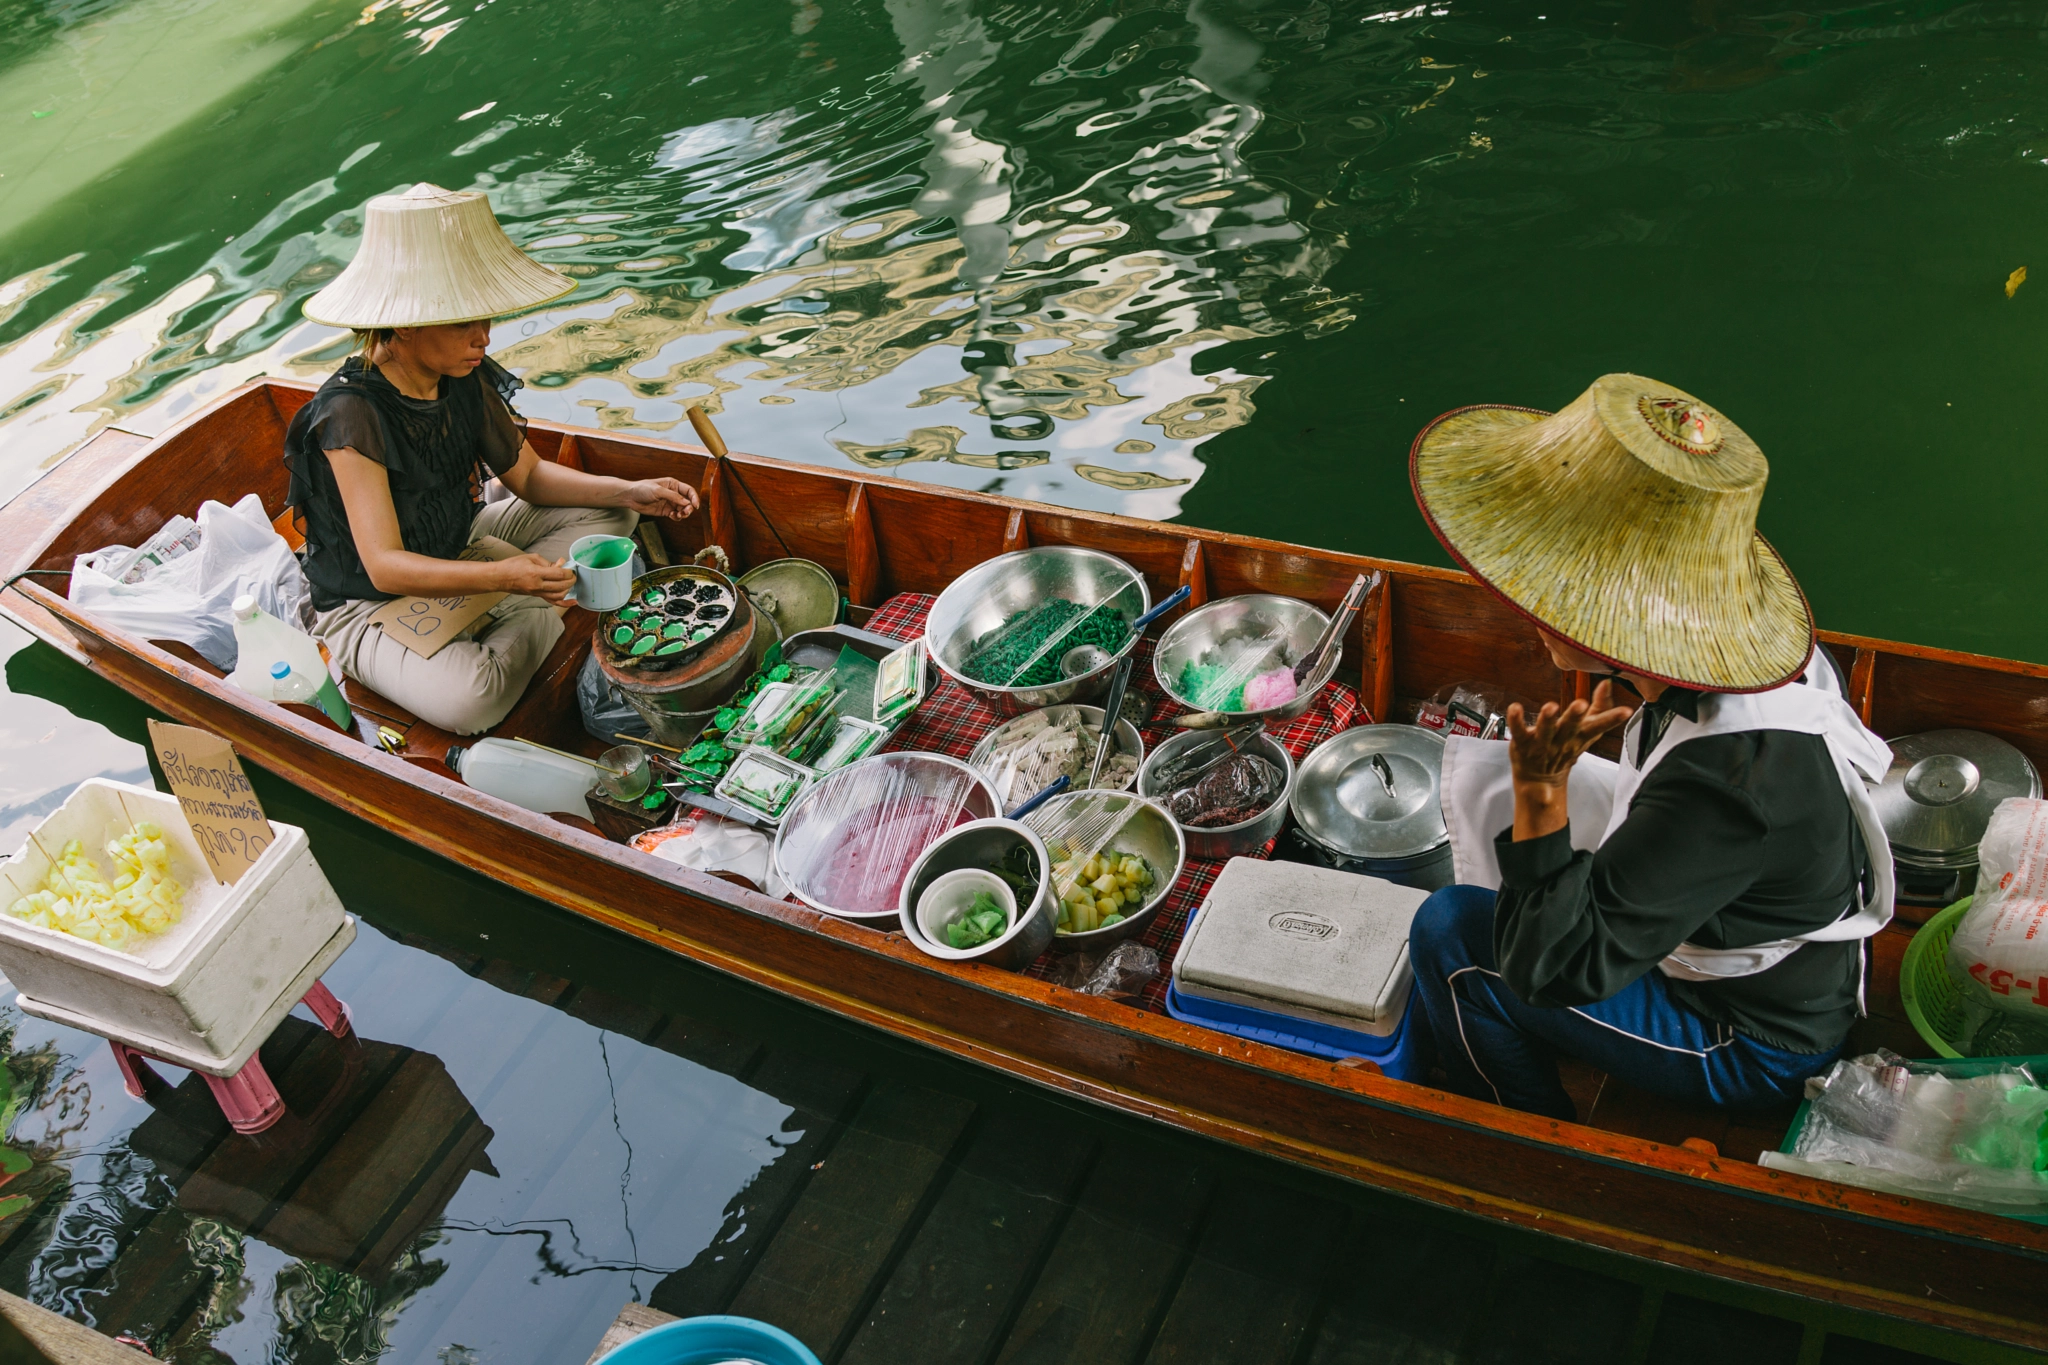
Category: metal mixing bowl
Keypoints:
(1151, 834)
(1225, 841)
(1204, 636)
(1128, 741)
(983, 843)
(990, 593)
(811, 827)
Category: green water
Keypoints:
(1207, 260)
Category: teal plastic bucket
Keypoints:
(712, 1341)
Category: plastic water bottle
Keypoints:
(540, 780)
(261, 641)
(288, 684)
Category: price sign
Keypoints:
(424, 624)
(221, 807)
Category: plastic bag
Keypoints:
(1122, 973)
(720, 847)
(1962, 1132)
(187, 598)
(1466, 708)
(2001, 946)
(606, 714)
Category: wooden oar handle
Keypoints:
(707, 433)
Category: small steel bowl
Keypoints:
(1206, 630)
(1150, 833)
(805, 837)
(1128, 741)
(1225, 841)
(990, 593)
(983, 843)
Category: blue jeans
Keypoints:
(1494, 1047)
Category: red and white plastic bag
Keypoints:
(2001, 945)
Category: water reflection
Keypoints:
(915, 271)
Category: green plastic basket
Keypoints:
(1928, 988)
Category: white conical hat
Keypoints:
(1625, 524)
(432, 256)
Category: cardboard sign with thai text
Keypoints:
(226, 818)
(424, 624)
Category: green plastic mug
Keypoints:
(604, 571)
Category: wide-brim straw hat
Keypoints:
(1625, 524)
(432, 256)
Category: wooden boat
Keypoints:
(1642, 1179)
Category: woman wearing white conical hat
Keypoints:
(388, 458)
(1693, 919)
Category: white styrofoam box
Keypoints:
(1305, 941)
(200, 985)
(221, 1064)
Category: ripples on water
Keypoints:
(1047, 249)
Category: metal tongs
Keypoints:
(1311, 662)
(1113, 705)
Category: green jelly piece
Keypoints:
(623, 635)
(629, 613)
(703, 634)
(645, 643)
(725, 718)
(654, 597)
(675, 630)
(654, 800)
(672, 647)
(779, 673)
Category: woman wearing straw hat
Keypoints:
(388, 458)
(1692, 919)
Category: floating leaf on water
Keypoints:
(2014, 281)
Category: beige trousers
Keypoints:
(471, 684)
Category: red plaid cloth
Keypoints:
(952, 721)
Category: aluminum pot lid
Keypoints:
(1939, 793)
(1372, 792)
(795, 593)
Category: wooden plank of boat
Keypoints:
(1688, 1208)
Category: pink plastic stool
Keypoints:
(248, 1098)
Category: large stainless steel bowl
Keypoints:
(1214, 633)
(1151, 834)
(984, 843)
(1225, 841)
(990, 593)
(854, 799)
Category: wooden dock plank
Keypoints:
(951, 1294)
(1249, 1294)
(814, 1279)
(1115, 1263)
(1401, 1291)
(822, 1099)
(1543, 1313)
(632, 1320)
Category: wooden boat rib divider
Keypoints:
(1948, 1267)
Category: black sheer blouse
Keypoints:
(437, 454)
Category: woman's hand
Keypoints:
(551, 580)
(661, 498)
(1542, 751)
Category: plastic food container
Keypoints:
(850, 841)
(199, 987)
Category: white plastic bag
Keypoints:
(188, 598)
(2001, 945)
(1965, 1133)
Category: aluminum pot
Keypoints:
(1368, 799)
(977, 603)
(984, 843)
(1936, 801)
(1225, 841)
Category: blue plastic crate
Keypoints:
(1395, 1054)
